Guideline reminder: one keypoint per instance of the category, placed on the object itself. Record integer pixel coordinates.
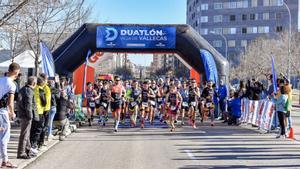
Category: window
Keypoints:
(245, 4)
(244, 43)
(279, 28)
(253, 16)
(226, 5)
(276, 2)
(239, 4)
(203, 31)
(232, 18)
(226, 31)
(218, 5)
(266, 16)
(266, 2)
(218, 18)
(251, 29)
(204, 19)
(198, 9)
(278, 16)
(218, 30)
(217, 43)
(231, 43)
(244, 17)
(254, 3)
(244, 30)
(232, 30)
(204, 7)
(232, 5)
(267, 29)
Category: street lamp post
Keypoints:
(225, 39)
(289, 42)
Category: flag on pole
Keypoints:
(47, 60)
(274, 76)
(85, 72)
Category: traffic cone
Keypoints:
(291, 134)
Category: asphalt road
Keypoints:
(157, 148)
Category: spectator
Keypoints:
(26, 106)
(60, 118)
(223, 94)
(7, 92)
(47, 90)
(242, 89)
(55, 94)
(235, 109)
(280, 103)
(37, 135)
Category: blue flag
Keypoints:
(47, 61)
(274, 75)
(85, 72)
(209, 63)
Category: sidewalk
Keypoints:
(13, 147)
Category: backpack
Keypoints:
(42, 95)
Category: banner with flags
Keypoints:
(47, 61)
(274, 75)
(85, 72)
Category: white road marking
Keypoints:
(191, 156)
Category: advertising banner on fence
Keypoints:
(258, 113)
(152, 37)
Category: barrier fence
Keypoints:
(259, 113)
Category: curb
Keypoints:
(25, 163)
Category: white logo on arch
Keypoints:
(111, 34)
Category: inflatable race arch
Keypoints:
(192, 48)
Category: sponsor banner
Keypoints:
(259, 113)
(136, 37)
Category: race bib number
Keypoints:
(159, 99)
(97, 101)
(92, 104)
(193, 103)
(104, 104)
(185, 104)
(145, 104)
(173, 108)
(152, 103)
(133, 104)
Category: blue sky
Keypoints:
(139, 12)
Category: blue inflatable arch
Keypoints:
(180, 39)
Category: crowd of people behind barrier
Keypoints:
(46, 103)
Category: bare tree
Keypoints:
(256, 61)
(51, 22)
(9, 8)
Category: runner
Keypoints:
(98, 86)
(104, 103)
(160, 103)
(145, 104)
(173, 102)
(91, 96)
(184, 92)
(134, 99)
(194, 94)
(166, 90)
(126, 87)
(208, 104)
(153, 100)
(116, 101)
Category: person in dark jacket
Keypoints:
(26, 105)
(60, 118)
